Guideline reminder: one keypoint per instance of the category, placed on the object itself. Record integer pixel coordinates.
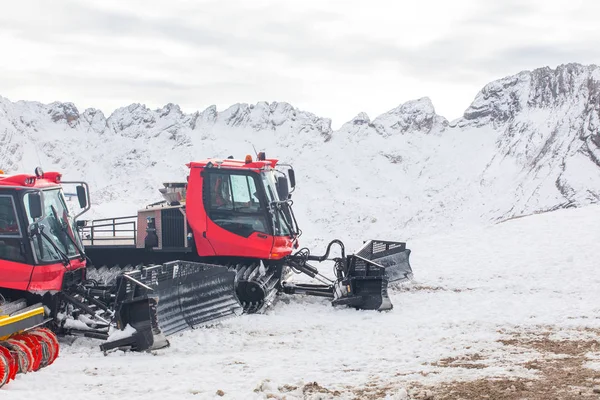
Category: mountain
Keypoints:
(528, 143)
(549, 123)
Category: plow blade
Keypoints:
(392, 256)
(362, 278)
(369, 270)
(162, 300)
(363, 293)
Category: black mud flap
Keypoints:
(165, 299)
(393, 256)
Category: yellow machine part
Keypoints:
(13, 324)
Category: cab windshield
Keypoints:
(282, 218)
(57, 224)
(235, 202)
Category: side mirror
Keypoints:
(82, 196)
(35, 205)
(292, 175)
(282, 188)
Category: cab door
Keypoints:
(238, 223)
(15, 270)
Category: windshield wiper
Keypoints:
(38, 230)
(82, 255)
(63, 226)
(279, 209)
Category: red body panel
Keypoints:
(15, 275)
(225, 243)
(282, 246)
(196, 213)
(50, 277)
(39, 278)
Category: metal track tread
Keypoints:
(255, 284)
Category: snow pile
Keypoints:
(117, 334)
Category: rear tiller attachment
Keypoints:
(361, 279)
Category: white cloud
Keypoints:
(333, 58)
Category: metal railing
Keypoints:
(110, 231)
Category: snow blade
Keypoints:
(368, 272)
(363, 293)
(364, 286)
(165, 299)
(393, 256)
(362, 278)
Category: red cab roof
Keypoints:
(48, 179)
(234, 164)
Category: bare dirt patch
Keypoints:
(314, 387)
(415, 287)
(557, 366)
(471, 361)
(372, 393)
(560, 367)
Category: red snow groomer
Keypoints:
(26, 268)
(221, 243)
(230, 229)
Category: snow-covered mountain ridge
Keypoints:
(528, 143)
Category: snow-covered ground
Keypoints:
(472, 288)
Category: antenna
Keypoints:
(255, 153)
(37, 154)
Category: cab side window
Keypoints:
(220, 192)
(9, 226)
(234, 203)
(10, 231)
(234, 193)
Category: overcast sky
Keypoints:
(331, 57)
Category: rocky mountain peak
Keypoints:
(414, 116)
(500, 101)
(66, 112)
